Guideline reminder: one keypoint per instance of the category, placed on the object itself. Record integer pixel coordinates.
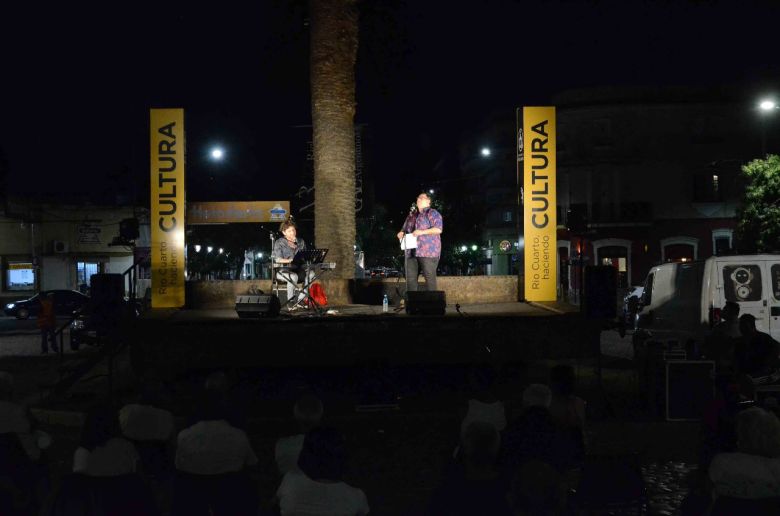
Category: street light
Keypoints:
(485, 152)
(197, 248)
(209, 249)
(767, 105)
(474, 247)
(221, 250)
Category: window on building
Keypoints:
(85, 270)
(20, 276)
(706, 187)
(507, 216)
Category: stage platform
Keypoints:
(168, 342)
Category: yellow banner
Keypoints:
(167, 222)
(539, 204)
(230, 212)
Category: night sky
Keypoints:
(78, 80)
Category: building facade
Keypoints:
(645, 176)
(46, 246)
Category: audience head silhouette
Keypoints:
(323, 456)
(758, 433)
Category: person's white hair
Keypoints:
(308, 409)
(537, 395)
(758, 433)
(216, 382)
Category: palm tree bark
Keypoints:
(334, 41)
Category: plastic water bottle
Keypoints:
(385, 304)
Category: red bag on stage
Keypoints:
(318, 294)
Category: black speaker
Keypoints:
(600, 296)
(128, 229)
(690, 387)
(107, 299)
(258, 305)
(424, 302)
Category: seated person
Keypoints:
(212, 446)
(308, 415)
(757, 352)
(752, 472)
(474, 486)
(149, 427)
(284, 252)
(483, 403)
(102, 451)
(16, 419)
(719, 344)
(318, 488)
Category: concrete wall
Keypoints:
(459, 289)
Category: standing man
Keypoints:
(426, 224)
(47, 322)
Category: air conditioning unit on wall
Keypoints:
(59, 247)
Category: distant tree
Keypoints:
(334, 43)
(758, 218)
(376, 238)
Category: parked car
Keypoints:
(84, 328)
(65, 303)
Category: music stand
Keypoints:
(308, 257)
(308, 260)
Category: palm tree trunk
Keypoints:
(334, 40)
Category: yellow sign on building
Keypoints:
(539, 204)
(167, 207)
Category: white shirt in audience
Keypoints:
(287, 451)
(301, 496)
(493, 413)
(213, 448)
(145, 423)
(117, 457)
(13, 419)
(741, 475)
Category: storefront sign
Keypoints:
(167, 206)
(539, 204)
(231, 212)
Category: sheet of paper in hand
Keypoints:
(409, 241)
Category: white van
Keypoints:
(682, 301)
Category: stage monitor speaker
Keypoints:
(600, 296)
(258, 305)
(424, 302)
(690, 387)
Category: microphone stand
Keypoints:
(412, 212)
(272, 236)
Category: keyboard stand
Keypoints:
(309, 260)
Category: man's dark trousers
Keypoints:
(428, 266)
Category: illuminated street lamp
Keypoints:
(767, 105)
(221, 250)
(463, 249)
(474, 247)
(197, 248)
(486, 152)
(209, 249)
